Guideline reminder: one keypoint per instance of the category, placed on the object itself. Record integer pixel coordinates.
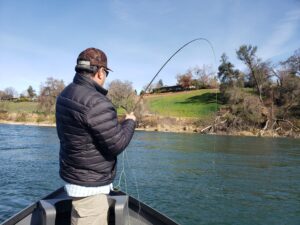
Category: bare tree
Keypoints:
(292, 64)
(24, 94)
(185, 80)
(10, 93)
(2, 94)
(204, 75)
(260, 71)
(48, 94)
(149, 89)
(122, 94)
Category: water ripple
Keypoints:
(194, 179)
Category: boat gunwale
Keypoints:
(132, 202)
(17, 217)
(149, 210)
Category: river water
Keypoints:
(192, 178)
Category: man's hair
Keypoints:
(85, 72)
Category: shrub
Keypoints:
(41, 118)
(21, 117)
(4, 116)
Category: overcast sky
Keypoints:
(43, 38)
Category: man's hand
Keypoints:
(130, 116)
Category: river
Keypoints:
(194, 179)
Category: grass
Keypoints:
(32, 107)
(15, 107)
(199, 103)
(121, 111)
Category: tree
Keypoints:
(48, 94)
(31, 92)
(122, 94)
(185, 80)
(287, 92)
(231, 80)
(289, 96)
(292, 64)
(227, 74)
(159, 84)
(258, 70)
(23, 96)
(10, 93)
(2, 94)
(149, 89)
(204, 76)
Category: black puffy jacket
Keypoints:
(89, 132)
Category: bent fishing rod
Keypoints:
(146, 89)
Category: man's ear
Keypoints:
(101, 73)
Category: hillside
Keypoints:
(194, 104)
(178, 111)
(19, 107)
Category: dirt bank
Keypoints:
(152, 123)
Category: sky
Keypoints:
(40, 39)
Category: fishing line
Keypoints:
(136, 185)
(175, 53)
(123, 174)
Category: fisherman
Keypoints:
(91, 138)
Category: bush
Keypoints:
(4, 116)
(3, 107)
(23, 99)
(254, 112)
(41, 118)
(21, 117)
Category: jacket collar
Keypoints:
(88, 82)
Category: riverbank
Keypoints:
(175, 128)
(28, 123)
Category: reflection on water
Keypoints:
(192, 178)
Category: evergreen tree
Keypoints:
(31, 92)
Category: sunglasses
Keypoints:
(106, 71)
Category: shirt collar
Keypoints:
(88, 82)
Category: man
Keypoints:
(90, 138)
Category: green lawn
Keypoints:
(28, 107)
(199, 103)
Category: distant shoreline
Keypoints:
(28, 123)
(154, 129)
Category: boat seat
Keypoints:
(57, 211)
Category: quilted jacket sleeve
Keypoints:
(109, 135)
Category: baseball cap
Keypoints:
(92, 59)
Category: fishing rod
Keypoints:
(139, 100)
(196, 39)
